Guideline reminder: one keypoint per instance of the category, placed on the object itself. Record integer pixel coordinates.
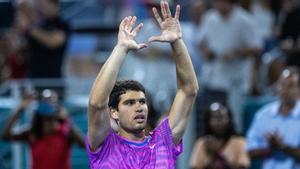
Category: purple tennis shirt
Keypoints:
(156, 151)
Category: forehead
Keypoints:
(292, 79)
(130, 94)
(222, 112)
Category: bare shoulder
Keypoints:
(200, 142)
(237, 141)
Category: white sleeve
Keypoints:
(255, 136)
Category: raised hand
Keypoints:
(127, 34)
(28, 98)
(170, 27)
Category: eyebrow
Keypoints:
(130, 100)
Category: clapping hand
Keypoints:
(275, 140)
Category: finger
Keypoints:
(155, 38)
(122, 24)
(156, 15)
(138, 28)
(177, 13)
(127, 22)
(132, 22)
(142, 45)
(167, 8)
(163, 10)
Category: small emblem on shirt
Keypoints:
(152, 147)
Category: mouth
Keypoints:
(140, 118)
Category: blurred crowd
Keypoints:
(240, 49)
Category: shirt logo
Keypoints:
(152, 147)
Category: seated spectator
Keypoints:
(51, 133)
(274, 135)
(220, 147)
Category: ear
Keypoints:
(114, 113)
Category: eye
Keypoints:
(142, 101)
(129, 102)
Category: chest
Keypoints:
(150, 156)
(287, 127)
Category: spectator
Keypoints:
(51, 134)
(274, 135)
(47, 38)
(220, 147)
(228, 45)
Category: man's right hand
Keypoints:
(127, 34)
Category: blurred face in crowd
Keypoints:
(50, 96)
(48, 8)
(132, 112)
(49, 123)
(288, 87)
(197, 9)
(224, 7)
(219, 118)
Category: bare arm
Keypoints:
(259, 153)
(186, 92)
(7, 134)
(187, 85)
(77, 136)
(276, 143)
(98, 111)
(292, 151)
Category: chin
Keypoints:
(139, 127)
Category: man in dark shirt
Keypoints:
(47, 41)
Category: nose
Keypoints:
(139, 110)
(139, 107)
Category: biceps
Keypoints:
(181, 109)
(98, 127)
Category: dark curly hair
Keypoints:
(120, 88)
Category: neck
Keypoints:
(227, 14)
(197, 21)
(286, 107)
(135, 136)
